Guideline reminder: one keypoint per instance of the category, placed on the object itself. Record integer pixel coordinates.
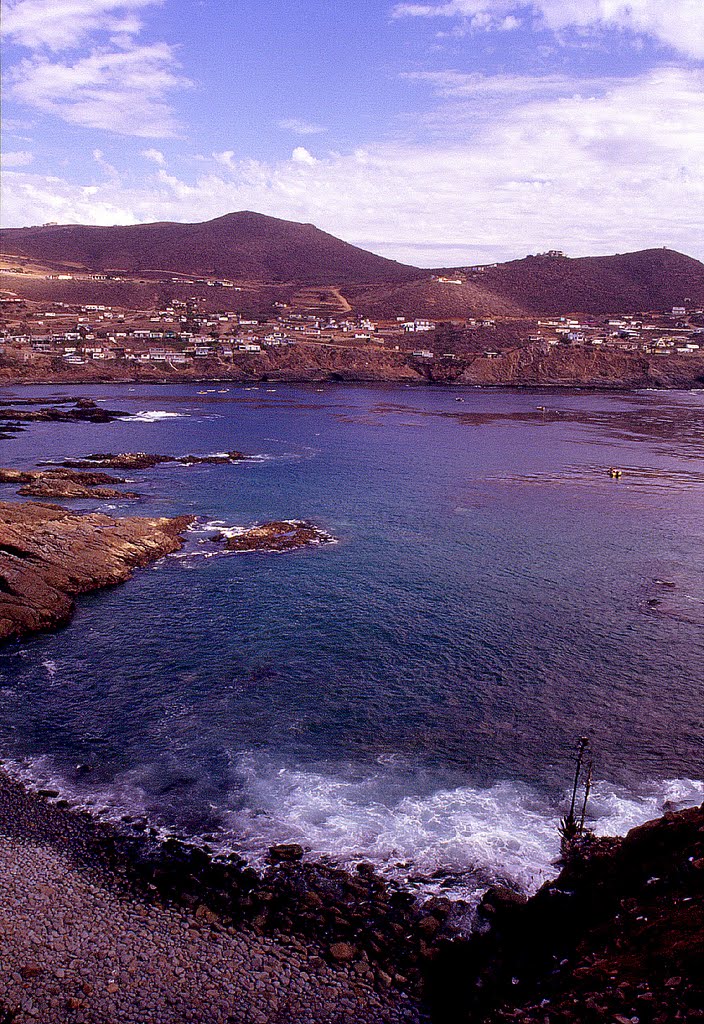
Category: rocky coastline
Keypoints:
(525, 366)
(617, 935)
(98, 924)
(48, 555)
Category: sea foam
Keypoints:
(151, 416)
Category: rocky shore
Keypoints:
(84, 938)
(617, 937)
(48, 555)
(522, 366)
(99, 923)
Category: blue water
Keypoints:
(412, 693)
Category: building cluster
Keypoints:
(678, 332)
(182, 332)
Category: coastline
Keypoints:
(100, 922)
(85, 937)
(529, 366)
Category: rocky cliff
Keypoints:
(527, 366)
(48, 555)
(617, 937)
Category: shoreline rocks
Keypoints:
(81, 940)
(618, 936)
(280, 535)
(48, 555)
(64, 483)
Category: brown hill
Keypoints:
(241, 246)
(646, 280)
(276, 257)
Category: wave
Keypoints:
(454, 840)
(449, 840)
(151, 416)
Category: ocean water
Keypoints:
(412, 693)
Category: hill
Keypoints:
(241, 246)
(628, 282)
(278, 260)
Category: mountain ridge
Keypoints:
(265, 251)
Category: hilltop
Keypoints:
(644, 280)
(241, 246)
(274, 260)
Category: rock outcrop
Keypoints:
(145, 460)
(64, 483)
(49, 554)
(617, 937)
(283, 535)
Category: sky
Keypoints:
(438, 134)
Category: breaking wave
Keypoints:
(454, 841)
(151, 416)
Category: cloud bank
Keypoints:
(580, 169)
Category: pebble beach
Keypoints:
(78, 944)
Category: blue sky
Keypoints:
(435, 133)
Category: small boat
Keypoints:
(614, 473)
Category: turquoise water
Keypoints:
(412, 693)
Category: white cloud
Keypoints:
(121, 91)
(678, 23)
(155, 155)
(301, 155)
(300, 127)
(60, 24)
(575, 168)
(19, 158)
(226, 158)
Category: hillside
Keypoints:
(281, 261)
(628, 282)
(241, 246)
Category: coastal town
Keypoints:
(183, 333)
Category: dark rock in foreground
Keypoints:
(617, 937)
(48, 555)
(283, 535)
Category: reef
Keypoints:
(64, 483)
(145, 460)
(280, 535)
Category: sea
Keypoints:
(412, 694)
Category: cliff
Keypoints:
(527, 366)
(617, 937)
